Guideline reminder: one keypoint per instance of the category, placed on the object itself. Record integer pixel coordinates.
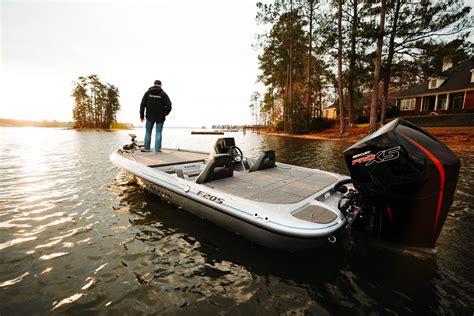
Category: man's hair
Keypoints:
(157, 83)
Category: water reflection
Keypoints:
(327, 155)
(356, 275)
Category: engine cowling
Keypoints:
(409, 177)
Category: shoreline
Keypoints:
(458, 139)
(5, 122)
(93, 129)
(71, 128)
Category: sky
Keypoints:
(200, 50)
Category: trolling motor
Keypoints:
(405, 180)
(133, 144)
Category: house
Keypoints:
(330, 112)
(450, 92)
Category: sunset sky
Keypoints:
(200, 50)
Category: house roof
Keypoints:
(332, 106)
(457, 78)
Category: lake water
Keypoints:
(76, 236)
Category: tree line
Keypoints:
(354, 52)
(43, 123)
(95, 103)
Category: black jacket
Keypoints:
(157, 105)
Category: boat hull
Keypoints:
(250, 231)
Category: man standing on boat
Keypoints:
(158, 106)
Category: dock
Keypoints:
(207, 133)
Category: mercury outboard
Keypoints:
(405, 180)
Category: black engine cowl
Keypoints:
(410, 178)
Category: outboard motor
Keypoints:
(409, 178)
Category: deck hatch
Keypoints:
(316, 214)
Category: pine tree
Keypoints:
(342, 115)
(282, 61)
(377, 65)
(95, 103)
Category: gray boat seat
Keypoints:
(180, 173)
(219, 167)
(266, 160)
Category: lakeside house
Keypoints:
(330, 112)
(452, 91)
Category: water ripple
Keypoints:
(14, 281)
(53, 255)
(15, 242)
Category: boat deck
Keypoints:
(276, 186)
(280, 185)
(168, 157)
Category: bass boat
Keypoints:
(401, 186)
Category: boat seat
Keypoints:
(219, 167)
(266, 160)
(180, 173)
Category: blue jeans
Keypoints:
(149, 129)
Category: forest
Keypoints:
(95, 103)
(354, 55)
